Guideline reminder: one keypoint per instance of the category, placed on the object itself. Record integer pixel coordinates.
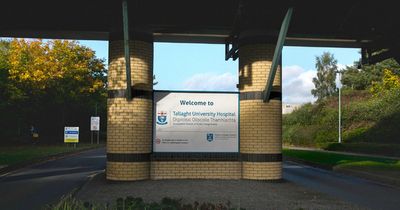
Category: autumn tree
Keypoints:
(50, 83)
(4, 49)
(326, 66)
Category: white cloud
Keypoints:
(297, 85)
(211, 82)
(291, 72)
(341, 66)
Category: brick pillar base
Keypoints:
(260, 123)
(129, 126)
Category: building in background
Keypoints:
(289, 108)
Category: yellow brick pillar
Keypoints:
(129, 123)
(260, 123)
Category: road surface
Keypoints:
(34, 187)
(355, 190)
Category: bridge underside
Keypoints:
(253, 31)
(354, 23)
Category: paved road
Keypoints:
(352, 189)
(32, 187)
(35, 186)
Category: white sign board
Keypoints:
(196, 122)
(71, 134)
(94, 123)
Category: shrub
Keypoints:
(364, 119)
(356, 134)
(131, 203)
(325, 136)
(300, 116)
(299, 135)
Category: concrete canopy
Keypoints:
(314, 22)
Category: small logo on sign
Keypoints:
(158, 141)
(210, 137)
(162, 118)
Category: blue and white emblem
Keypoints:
(210, 137)
(162, 118)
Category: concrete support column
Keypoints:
(129, 126)
(260, 123)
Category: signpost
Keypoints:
(71, 135)
(196, 122)
(94, 127)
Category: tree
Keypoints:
(362, 79)
(65, 66)
(4, 49)
(390, 82)
(49, 84)
(325, 86)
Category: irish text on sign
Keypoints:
(196, 122)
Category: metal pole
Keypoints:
(98, 134)
(277, 54)
(340, 111)
(126, 49)
(91, 137)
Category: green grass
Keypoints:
(332, 159)
(366, 148)
(17, 154)
(378, 169)
(372, 165)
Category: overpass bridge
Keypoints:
(252, 30)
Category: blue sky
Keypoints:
(203, 67)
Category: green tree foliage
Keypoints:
(325, 86)
(362, 79)
(4, 49)
(390, 82)
(49, 85)
(370, 110)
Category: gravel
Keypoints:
(240, 193)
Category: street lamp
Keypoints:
(340, 111)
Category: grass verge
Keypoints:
(378, 169)
(366, 148)
(332, 159)
(11, 155)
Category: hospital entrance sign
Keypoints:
(196, 122)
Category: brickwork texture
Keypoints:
(195, 170)
(260, 123)
(129, 122)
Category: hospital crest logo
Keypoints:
(210, 137)
(162, 118)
